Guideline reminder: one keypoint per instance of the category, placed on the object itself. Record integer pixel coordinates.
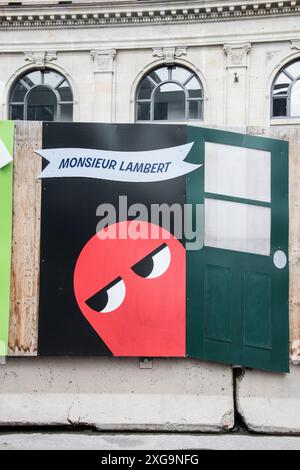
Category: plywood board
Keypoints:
(292, 134)
(26, 240)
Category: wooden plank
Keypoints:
(292, 134)
(23, 331)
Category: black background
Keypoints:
(69, 221)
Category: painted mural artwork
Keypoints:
(135, 295)
(124, 281)
(162, 241)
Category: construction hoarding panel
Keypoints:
(212, 286)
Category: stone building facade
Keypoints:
(103, 49)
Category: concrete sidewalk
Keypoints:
(111, 441)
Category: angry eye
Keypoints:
(110, 298)
(155, 264)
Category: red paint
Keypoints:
(151, 321)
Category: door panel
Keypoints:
(249, 171)
(237, 298)
(237, 226)
(257, 308)
(217, 284)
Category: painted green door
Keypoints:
(237, 284)
(6, 184)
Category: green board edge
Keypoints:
(6, 215)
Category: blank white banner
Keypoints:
(239, 227)
(238, 172)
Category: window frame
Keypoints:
(156, 88)
(24, 103)
(286, 95)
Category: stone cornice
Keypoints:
(133, 13)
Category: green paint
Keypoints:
(6, 193)
(258, 310)
(217, 282)
(224, 197)
(237, 303)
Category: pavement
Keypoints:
(144, 441)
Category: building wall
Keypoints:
(104, 66)
(104, 84)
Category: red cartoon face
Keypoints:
(132, 291)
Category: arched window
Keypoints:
(286, 91)
(172, 93)
(41, 95)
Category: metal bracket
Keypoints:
(2, 353)
(146, 363)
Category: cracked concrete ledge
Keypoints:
(130, 441)
(118, 412)
(109, 394)
(115, 394)
(269, 403)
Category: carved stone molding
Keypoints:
(103, 60)
(295, 44)
(237, 54)
(40, 58)
(91, 15)
(169, 54)
(270, 55)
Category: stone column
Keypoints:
(103, 92)
(237, 83)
